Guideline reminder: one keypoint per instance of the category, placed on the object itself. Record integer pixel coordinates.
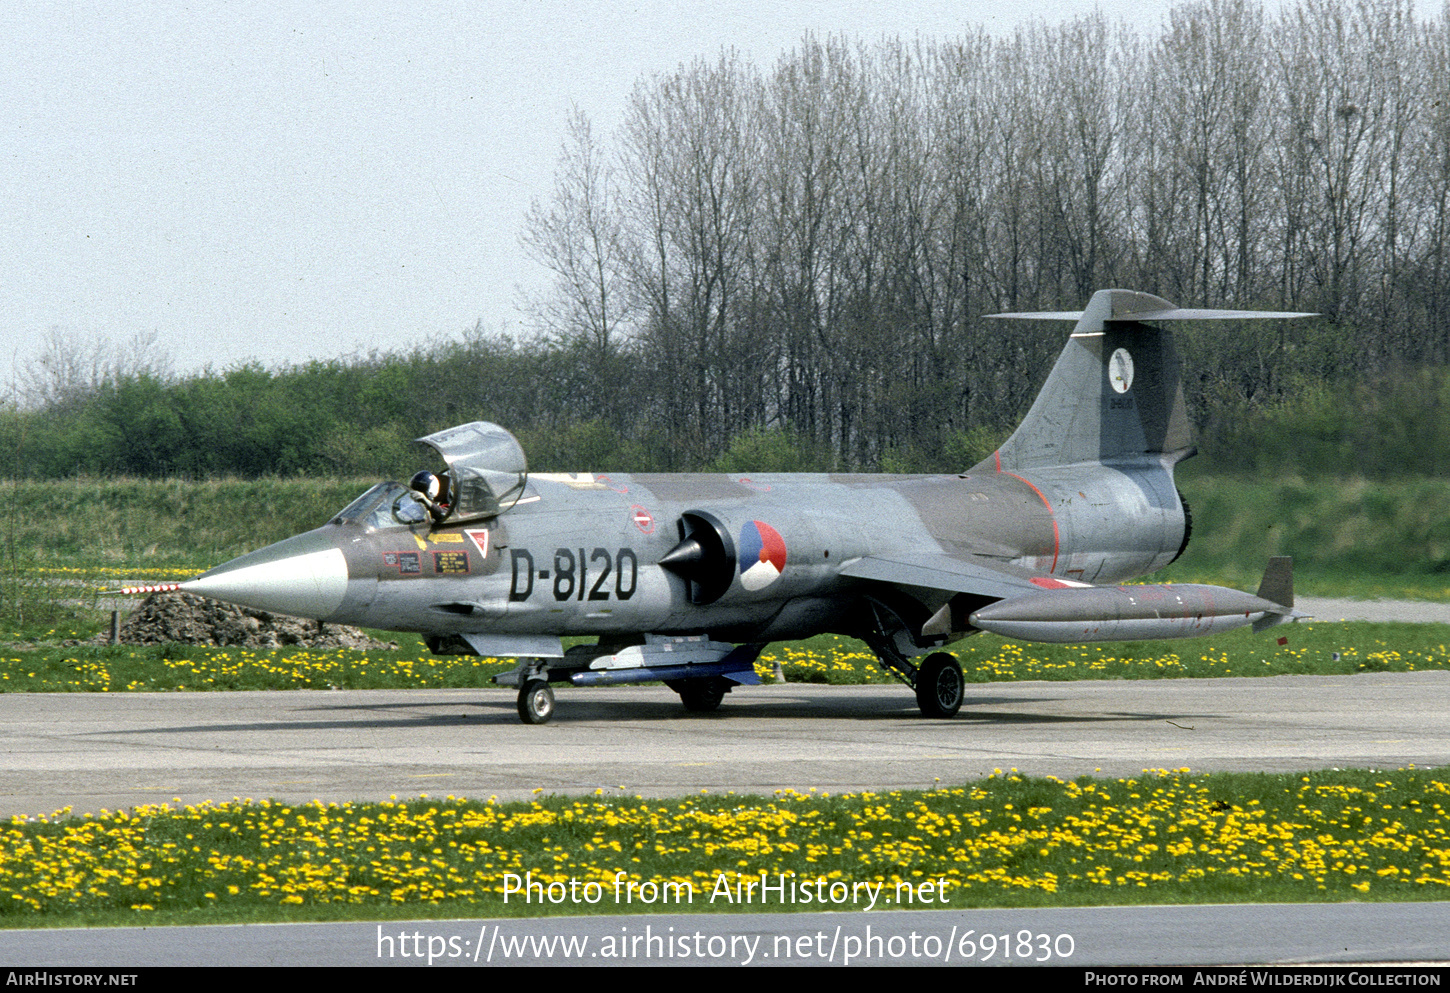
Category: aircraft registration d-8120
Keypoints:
(685, 578)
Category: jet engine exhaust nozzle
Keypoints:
(704, 557)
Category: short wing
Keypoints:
(955, 574)
(1016, 603)
(981, 579)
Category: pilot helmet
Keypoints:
(425, 483)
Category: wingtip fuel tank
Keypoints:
(1125, 613)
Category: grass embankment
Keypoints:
(1310, 649)
(125, 527)
(1349, 537)
(1004, 841)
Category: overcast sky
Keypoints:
(291, 181)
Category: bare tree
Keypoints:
(1086, 75)
(693, 140)
(578, 237)
(1332, 87)
(72, 366)
(1400, 71)
(1429, 275)
(806, 112)
(812, 247)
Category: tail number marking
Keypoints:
(581, 575)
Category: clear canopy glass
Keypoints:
(487, 467)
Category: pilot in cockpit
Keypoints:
(432, 491)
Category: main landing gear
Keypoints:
(700, 695)
(938, 681)
(896, 639)
(940, 687)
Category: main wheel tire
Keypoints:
(702, 695)
(940, 687)
(536, 702)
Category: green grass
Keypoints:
(34, 606)
(1008, 840)
(122, 523)
(1310, 649)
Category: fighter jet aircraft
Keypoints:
(685, 578)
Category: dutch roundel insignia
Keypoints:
(762, 555)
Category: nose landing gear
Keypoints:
(536, 702)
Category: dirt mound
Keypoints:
(194, 620)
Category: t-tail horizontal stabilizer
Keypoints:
(1114, 395)
(1130, 305)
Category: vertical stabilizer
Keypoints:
(1114, 394)
(1277, 587)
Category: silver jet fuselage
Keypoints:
(683, 578)
(580, 554)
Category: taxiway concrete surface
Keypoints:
(1250, 934)
(1379, 611)
(93, 751)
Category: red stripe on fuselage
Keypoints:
(1056, 538)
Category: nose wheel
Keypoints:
(536, 702)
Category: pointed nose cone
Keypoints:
(305, 576)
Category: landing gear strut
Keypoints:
(938, 682)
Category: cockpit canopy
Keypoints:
(486, 466)
(386, 505)
(487, 474)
